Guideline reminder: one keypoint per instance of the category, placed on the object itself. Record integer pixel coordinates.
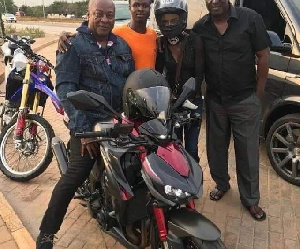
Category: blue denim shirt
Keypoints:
(86, 66)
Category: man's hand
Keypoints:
(262, 71)
(91, 146)
(64, 42)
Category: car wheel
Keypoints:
(283, 147)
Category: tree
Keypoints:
(8, 6)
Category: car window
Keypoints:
(122, 12)
(295, 7)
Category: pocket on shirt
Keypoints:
(88, 65)
(122, 63)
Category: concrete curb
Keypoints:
(20, 234)
(34, 50)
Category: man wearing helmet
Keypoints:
(180, 57)
(232, 38)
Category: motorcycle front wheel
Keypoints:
(22, 163)
(189, 242)
(195, 243)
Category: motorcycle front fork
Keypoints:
(161, 222)
(24, 110)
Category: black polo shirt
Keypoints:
(230, 71)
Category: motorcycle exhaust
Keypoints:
(60, 152)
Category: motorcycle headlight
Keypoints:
(176, 192)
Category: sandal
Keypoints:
(257, 213)
(217, 194)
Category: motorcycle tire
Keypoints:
(32, 148)
(195, 243)
(189, 242)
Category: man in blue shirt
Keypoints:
(100, 62)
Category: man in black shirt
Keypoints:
(233, 37)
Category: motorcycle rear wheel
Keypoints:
(35, 155)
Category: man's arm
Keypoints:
(262, 71)
(67, 80)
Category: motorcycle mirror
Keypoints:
(188, 88)
(87, 101)
(81, 100)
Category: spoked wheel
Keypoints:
(283, 147)
(32, 157)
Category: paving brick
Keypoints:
(90, 246)
(5, 234)
(291, 244)
(276, 241)
(231, 239)
(247, 220)
(274, 210)
(76, 244)
(77, 212)
(261, 230)
(260, 243)
(9, 245)
(240, 246)
(67, 223)
(289, 228)
(246, 237)
(275, 225)
(1, 222)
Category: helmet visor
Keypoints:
(154, 102)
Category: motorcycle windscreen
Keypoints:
(153, 102)
(163, 174)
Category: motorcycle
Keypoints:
(25, 139)
(142, 188)
(8, 49)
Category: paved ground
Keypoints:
(281, 201)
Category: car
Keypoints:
(280, 120)
(70, 16)
(9, 17)
(122, 15)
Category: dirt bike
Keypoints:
(25, 140)
(142, 188)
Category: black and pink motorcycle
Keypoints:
(142, 189)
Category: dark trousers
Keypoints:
(242, 119)
(191, 132)
(78, 171)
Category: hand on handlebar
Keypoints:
(91, 146)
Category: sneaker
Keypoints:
(45, 241)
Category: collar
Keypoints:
(233, 14)
(112, 38)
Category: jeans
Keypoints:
(77, 172)
(191, 132)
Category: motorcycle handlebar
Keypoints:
(102, 133)
(28, 51)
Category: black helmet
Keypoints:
(171, 7)
(146, 95)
